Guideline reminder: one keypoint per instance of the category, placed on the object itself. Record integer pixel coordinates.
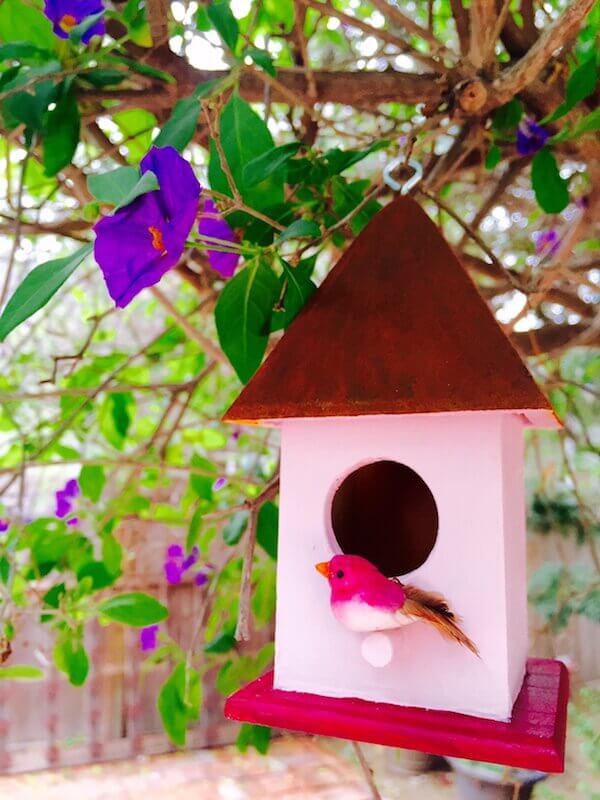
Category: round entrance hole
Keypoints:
(386, 513)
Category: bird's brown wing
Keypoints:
(433, 608)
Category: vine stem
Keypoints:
(18, 223)
(242, 631)
(367, 771)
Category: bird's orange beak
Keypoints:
(323, 568)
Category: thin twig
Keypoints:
(367, 771)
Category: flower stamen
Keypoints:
(67, 22)
(157, 240)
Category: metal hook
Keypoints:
(403, 188)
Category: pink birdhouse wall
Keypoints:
(472, 464)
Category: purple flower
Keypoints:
(140, 242)
(191, 559)
(175, 551)
(71, 488)
(173, 572)
(4, 525)
(66, 14)
(212, 224)
(149, 638)
(73, 521)
(201, 578)
(546, 242)
(63, 506)
(64, 498)
(531, 137)
(219, 484)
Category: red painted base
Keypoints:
(534, 739)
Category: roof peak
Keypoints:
(397, 327)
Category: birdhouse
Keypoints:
(401, 405)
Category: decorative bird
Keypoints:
(364, 600)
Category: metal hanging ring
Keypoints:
(402, 188)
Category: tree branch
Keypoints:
(483, 22)
(517, 77)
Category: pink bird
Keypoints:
(364, 600)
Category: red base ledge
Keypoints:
(534, 739)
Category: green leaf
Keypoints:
(267, 528)
(71, 658)
(100, 577)
(194, 530)
(137, 126)
(267, 163)
(262, 59)
(244, 137)
(178, 130)
(23, 22)
(588, 124)
(179, 702)
(207, 87)
(299, 229)
(78, 31)
(21, 672)
(235, 527)
(91, 481)
(114, 186)
(493, 157)
(551, 191)
(298, 289)
(148, 182)
(37, 288)
(19, 51)
(112, 553)
(224, 22)
(61, 132)
(100, 78)
(222, 643)
(508, 116)
(581, 84)
(134, 608)
(114, 417)
(202, 484)
(257, 736)
(340, 160)
(141, 68)
(243, 314)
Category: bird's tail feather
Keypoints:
(433, 608)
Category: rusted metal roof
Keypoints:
(397, 327)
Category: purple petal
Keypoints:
(531, 137)
(219, 484)
(212, 224)
(63, 505)
(71, 488)
(73, 521)
(201, 579)
(125, 251)
(97, 29)
(173, 572)
(175, 551)
(4, 525)
(191, 559)
(179, 191)
(149, 638)
(546, 242)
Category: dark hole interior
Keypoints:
(386, 513)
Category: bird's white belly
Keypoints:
(358, 616)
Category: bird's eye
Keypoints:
(339, 573)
